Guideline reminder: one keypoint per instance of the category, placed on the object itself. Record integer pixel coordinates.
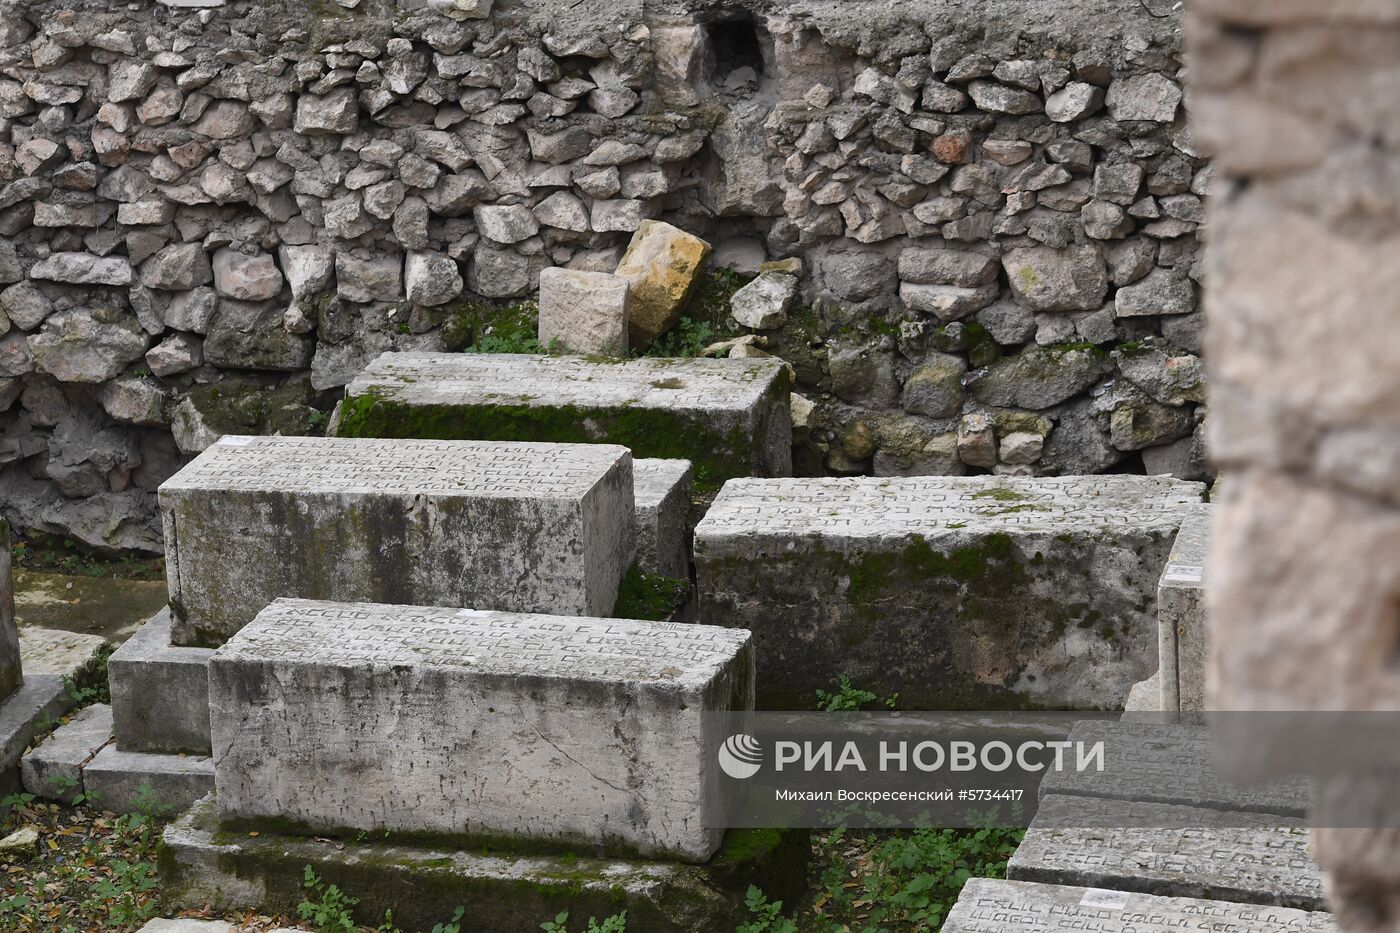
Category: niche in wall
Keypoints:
(735, 61)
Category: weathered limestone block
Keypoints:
(160, 692)
(420, 522)
(952, 592)
(10, 676)
(203, 866)
(1184, 643)
(584, 312)
(663, 263)
(335, 718)
(728, 417)
(1156, 762)
(127, 782)
(1250, 858)
(54, 770)
(993, 906)
(663, 490)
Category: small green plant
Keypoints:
(617, 923)
(330, 911)
(452, 926)
(650, 597)
(767, 915)
(848, 698)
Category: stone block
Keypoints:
(1157, 762)
(1146, 695)
(54, 770)
(335, 718)
(202, 866)
(663, 490)
(1183, 646)
(517, 527)
(27, 712)
(184, 925)
(956, 593)
(10, 673)
(57, 651)
(988, 905)
(728, 417)
(160, 692)
(1171, 850)
(129, 782)
(663, 264)
(584, 312)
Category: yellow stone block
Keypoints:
(663, 263)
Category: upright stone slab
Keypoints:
(1184, 643)
(728, 417)
(583, 312)
(523, 527)
(992, 906)
(10, 676)
(1251, 858)
(663, 490)
(955, 593)
(586, 733)
(1168, 763)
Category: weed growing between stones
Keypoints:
(650, 597)
(706, 318)
(54, 554)
(617, 923)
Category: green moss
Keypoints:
(650, 596)
(983, 567)
(647, 432)
(1000, 494)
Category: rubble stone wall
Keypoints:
(214, 212)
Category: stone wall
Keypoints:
(214, 212)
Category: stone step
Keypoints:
(728, 417)
(54, 770)
(994, 906)
(133, 782)
(1150, 848)
(1183, 643)
(516, 527)
(202, 866)
(73, 655)
(663, 489)
(160, 692)
(960, 593)
(1168, 763)
(26, 713)
(576, 732)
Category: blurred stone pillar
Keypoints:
(1299, 103)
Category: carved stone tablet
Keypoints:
(1169, 763)
(955, 592)
(1184, 644)
(728, 417)
(586, 733)
(990, 906)
(1155, 848)
(521, 527)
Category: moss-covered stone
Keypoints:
(203, 864)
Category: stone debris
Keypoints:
(764, 303)
(584, 312)
(663, 264)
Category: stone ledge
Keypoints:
(200, 865)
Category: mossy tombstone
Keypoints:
(729, 418)
(963, 593)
